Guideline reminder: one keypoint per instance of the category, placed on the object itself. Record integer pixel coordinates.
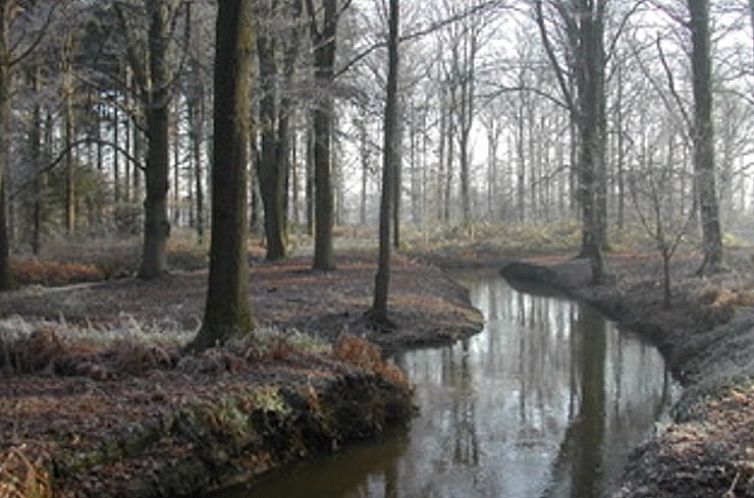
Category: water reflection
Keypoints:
(546, 402)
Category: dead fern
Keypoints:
(22, 478)
(366, 356)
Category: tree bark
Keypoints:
(704, 138)
(228, 313)
(35, 155)
(5, 275)
(69, 136)
(156, 97)
(270, 167)
(379, 312)
(324, 43)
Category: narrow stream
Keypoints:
(547, 401)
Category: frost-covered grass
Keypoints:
(128, 330)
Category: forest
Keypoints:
(243, 234)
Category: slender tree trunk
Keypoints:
(365, 159)
(451, 154)
(196, 123)
(397, 185)
(176, 171)
(228, 313)
(441, 152)
(5, 110)
(521, 183)
(69, 135)
(116, 156)
(621, 150)
(269, 171)
(309, 184)
(379, 311)
(35, 155)
(704, 138)
(295, 185)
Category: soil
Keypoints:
(707, 336)
(143, 420)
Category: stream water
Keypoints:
(547, 401)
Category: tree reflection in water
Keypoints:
(547, 402)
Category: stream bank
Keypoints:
(707, 335)
(98, 399)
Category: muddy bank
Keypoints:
(707, 335)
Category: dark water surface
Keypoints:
(547, 401)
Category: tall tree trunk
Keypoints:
(228, 313)
(116, 156)
(271, 175)
(176, 170)
(521, 174)
(324, 43)
(195, 108)
(379, 311)
(441, 153)
(35, 155)
(5, 275)
(451, 153)
(704, 137)
(69, 136)
(309, 180)
(156, 93)
(397, 183)
(590, 81)
(365, 160)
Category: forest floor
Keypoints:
(707, 337)
(98, 395)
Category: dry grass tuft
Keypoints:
(22, 478)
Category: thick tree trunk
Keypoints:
(704, 138)
(379, 311)
(228, 313)
(590, 81)
(154, 259)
